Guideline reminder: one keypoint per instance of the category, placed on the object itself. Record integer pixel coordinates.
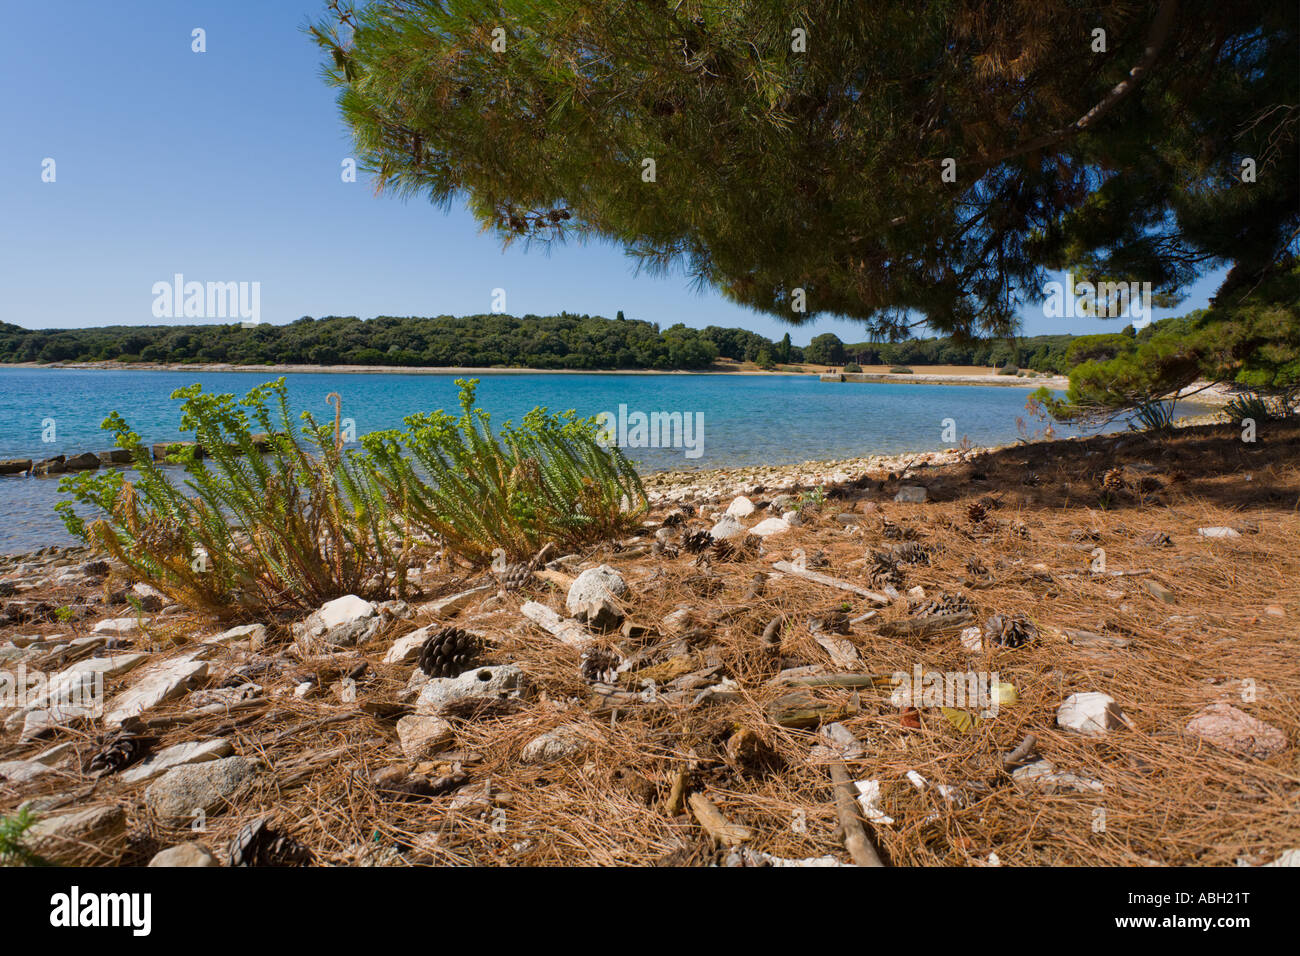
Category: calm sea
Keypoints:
(745, 419)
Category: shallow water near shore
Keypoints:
(746, 420)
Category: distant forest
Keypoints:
(564, 341)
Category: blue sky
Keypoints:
(225, 166)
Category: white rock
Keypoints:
(187, 854)
(445, 607)
(1289, 858)
(869, 800)
(1044, 776)
(342, 622)
(503, 682)
(423, 735)
(344, 610)
(971, 640)
(1218, 532)
(119, 626)
(1092, 713)
(593, 584)
(770, 526)
(159, 683)
(740, 507)
(910, 494)
(407, 649)
(253, 634)
(727, 527)
(20, 771)
(80, 836)
(196, 751)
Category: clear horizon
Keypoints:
(227, 166)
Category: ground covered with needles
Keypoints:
(703, 725)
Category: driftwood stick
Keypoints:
(715, 824)
(830, 582)
(855, 833)
(1023, 750)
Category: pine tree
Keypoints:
(896, 161)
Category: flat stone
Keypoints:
(911, 494)
(727, 527)
(406, 649)
(445, 607)
(502, 682)
(186, 854)
(92, 835)
(770, 526)
(1218, 532)
(1091, 713)
(252, 634)
(1041, 775)
(1230, 729)
(555, 745)
(159, 683)
(20, 771)
(180, 755)
(421, 735)
(207, 787)
(119, 626)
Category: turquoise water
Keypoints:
(745, 419)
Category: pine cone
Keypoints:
(119, 751)
(737, 548)
(600, 665)
(976, 513)
(883, 570)
(910, 552)
(975, 568)
(944, 603)
(516, 577)
(1156, 539)
(449, 652)
(1113, 480)
(259, 845)
(897, 532)
(1010, 631)
(697, 539)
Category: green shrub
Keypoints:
(252, 533)
(549, 479)
(1008, 370)
(900, 370)
(853, 367)
(13, 831)
(1248, 405)
(1154, 416)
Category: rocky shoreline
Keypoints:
(680, 695)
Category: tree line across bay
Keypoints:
(564, 341)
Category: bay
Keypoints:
(746, 419)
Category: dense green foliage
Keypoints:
(566, 341)
(800, 149)
(1249, 337)
(273, 518)
(544, 342)
(548, 479)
